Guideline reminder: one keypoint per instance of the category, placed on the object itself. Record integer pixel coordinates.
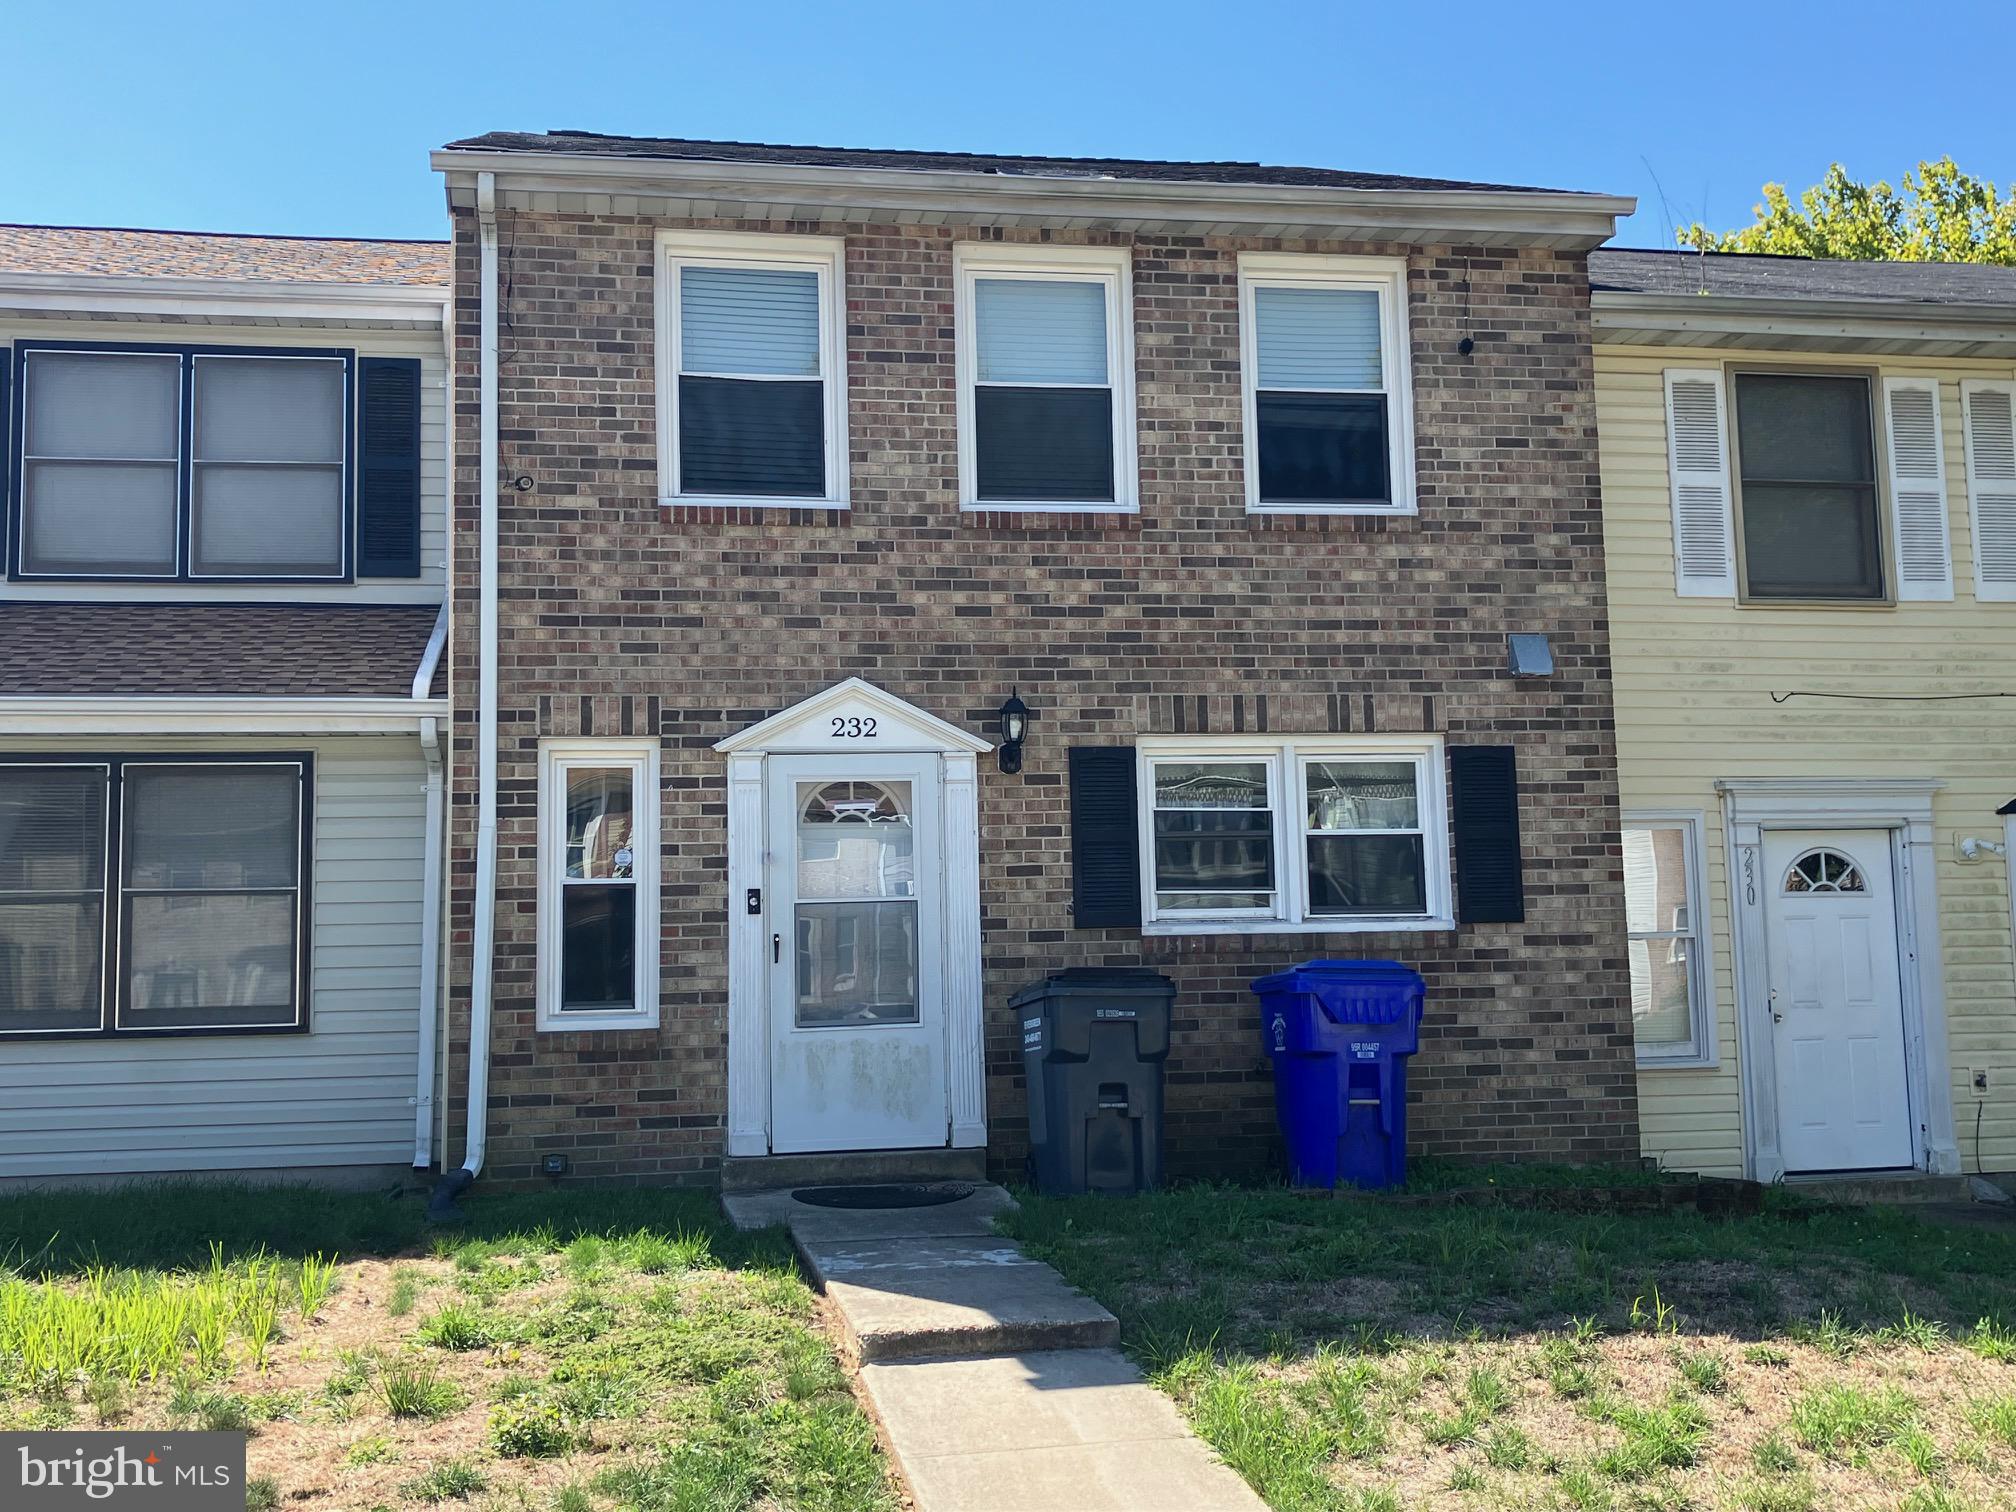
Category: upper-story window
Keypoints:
(185, 463)
(752, 403)
(1046, 378)
(1808, 507)
(1329, 418)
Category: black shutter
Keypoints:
(1484, 800)
(1105, 840)
(388, 467)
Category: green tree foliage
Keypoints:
(1941, 215)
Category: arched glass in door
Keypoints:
(1824, 871)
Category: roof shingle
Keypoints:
(134, 650)
(1745, 275)
(594, 144)
(113, 251)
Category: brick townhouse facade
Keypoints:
(1282, 672)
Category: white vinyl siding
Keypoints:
(339, 1095)
(365, 342)
(1694, 679)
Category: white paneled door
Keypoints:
(1836, 1001)
(855, 952)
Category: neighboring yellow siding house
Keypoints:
(1821, 911)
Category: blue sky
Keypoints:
(317, 118)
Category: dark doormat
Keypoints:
(907, 1194)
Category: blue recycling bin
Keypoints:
(1339, 1034)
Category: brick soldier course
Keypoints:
(621, 617)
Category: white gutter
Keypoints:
(1553, 213)
(433, 844)
(484, 924)
(416, 305)
(204, 715)
(1717, 315)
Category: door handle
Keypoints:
(776, 948)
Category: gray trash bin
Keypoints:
(1093, 1042)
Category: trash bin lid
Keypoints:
(1095, 979)
(1359, 992)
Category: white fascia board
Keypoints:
(1711, 315)
(1559, 216)
(421, 306)
(84, 716)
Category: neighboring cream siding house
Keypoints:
(1816, 709)
(222, 704)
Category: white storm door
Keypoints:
(855, 904)
(1836, 1001)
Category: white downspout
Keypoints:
(430, 942)
(484, 924)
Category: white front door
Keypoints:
(855, 914)
(1836, 1001)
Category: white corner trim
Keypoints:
(1902, 806)
(798, 727)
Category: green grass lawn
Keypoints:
(559, 1352)
(1373, 1354)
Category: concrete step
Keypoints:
(1039, 1431)
(1883, 1186)
(851, 1168)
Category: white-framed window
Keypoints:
(1672, 981)
(1306, 833)
(155, 895)
(1045, 339)
(752, 370)
(598, 884)
(1328, 395)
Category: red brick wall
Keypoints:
(618, 617)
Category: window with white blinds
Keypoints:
(1328, 420)
(1045, 395)
(183, 463)
(751, 399)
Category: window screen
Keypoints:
(1320, 400)
(752, 402)
(52, 897)
(1043, 397)
(267, 490)
(1664, 939)
(101, 443)
(1808, 496)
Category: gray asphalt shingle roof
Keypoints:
(115, 251)
(1738, 275)
(594, 144)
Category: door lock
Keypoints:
(776, 948)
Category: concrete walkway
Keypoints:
(996, 1385)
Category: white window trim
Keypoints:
(1113, 269)
(825, 256)
(556, 759)
(1385, 276)
(1285, 756)
(1703, 1052)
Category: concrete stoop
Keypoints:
(1881, 1187)
(996, 1385)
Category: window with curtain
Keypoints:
(1662, 918)
(598, 890)
(1807, 503)
(153, 895)
(1326, 401)
(184, 464)
(752, 398)
(1046, 412)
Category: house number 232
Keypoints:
(852, 729)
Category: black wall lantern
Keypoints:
(1014, 725)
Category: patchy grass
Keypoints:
(578, 1351)
(1367, 1353)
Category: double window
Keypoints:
(153, 894)
(183, 464)
(751, 370)
(1808, 505)
(1314, 833)
(1329, 426)
(1670, 984)
(598, 885)
(1046, 390)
